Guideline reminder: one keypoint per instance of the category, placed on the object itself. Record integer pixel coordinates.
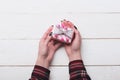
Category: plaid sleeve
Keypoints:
(40, 73)
(77, 71)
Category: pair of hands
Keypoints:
(48, 47)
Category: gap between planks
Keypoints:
(56, 65)
(82, 38)
(39, 13)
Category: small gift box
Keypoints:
(62, 33)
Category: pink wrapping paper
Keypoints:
(62, 33)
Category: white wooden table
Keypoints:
(22, 23)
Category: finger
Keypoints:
(70, 24)
(77, 34)
(47, 33)
(64, 23)
(48, 39)
(51, 42)
(67, 23)
(51, 45)
(58, 45)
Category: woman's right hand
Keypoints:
(73, 49)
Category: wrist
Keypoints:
(75, 56)
(41, 61)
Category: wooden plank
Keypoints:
(15, 73)
(61, 73)
(94, 52)
(37, 6)
(33, 26)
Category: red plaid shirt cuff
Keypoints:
(40, 73)
(77, 70)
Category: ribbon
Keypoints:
(59, 30)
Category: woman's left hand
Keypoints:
(47, 49)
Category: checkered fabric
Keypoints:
(77, 71)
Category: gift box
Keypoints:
(62, 33)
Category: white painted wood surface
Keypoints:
(94, 52)
(32, 26)
(37, 6)
(22, 23)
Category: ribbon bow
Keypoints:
(63, 31)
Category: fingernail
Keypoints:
(64, 19)
(61, 20)
(50, 34)
(75, 27)
(52, 25)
